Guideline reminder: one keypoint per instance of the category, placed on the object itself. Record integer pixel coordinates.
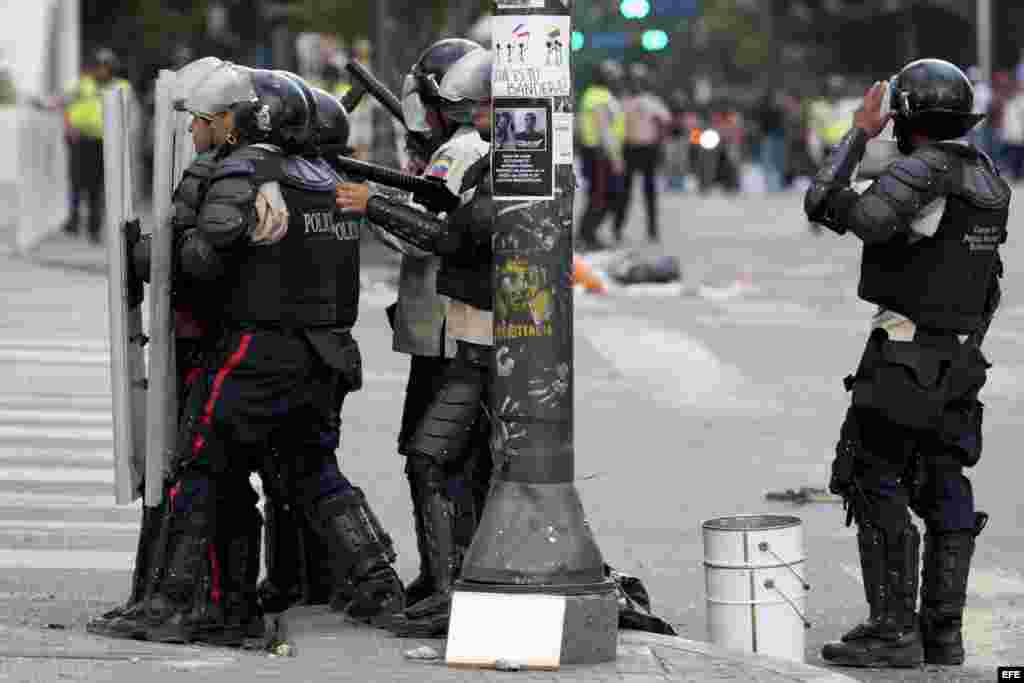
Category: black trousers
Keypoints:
(87, 180)
(642, 160)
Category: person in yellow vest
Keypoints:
(602, 131)
(83, 119)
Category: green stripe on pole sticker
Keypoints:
(520, 4)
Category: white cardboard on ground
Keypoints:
(522, 629)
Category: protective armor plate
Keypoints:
(304, 174)
(227, 211)
(445, 430)
(415, 227)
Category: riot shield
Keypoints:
(173, 152)
(127, 363)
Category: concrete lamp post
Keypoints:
(533, 588)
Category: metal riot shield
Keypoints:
(127, 363)
(173, 152)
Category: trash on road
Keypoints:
(507, 665)
(802, 496)
(424, 653)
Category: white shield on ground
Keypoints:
(127, 363)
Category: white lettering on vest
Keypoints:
(326, 222)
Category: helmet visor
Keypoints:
(469, 78)
(413, 108)
(223, 87)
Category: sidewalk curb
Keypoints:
(316, 633)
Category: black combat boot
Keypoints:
(188, 604)
(423, 585)
(947, 564)
(243, 616)
(889, 638)
(361, 557)
(145, 559)
(429, 617)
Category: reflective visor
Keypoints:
(413, 109)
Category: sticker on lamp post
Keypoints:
(523, 163)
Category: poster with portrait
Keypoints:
(523, 161)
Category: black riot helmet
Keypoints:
(281, 113)
(421, 88)
(933, 98)
(332, 127)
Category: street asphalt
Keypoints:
(692, 402)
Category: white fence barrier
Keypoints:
(34, 183)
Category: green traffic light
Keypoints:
(578, 40)
(635, 9)
(655, 40)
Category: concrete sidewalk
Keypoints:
(324, 646)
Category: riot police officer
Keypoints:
(297, 562)
(418, 317)
(450, 449)
(190, 326)
(602, 129)
(931, 225)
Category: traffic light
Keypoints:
(578, 41)
(654, 40)
(635, 9)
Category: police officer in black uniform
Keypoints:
(931, 225)
(297, 561)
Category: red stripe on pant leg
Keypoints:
(233, 361)
(215, 592)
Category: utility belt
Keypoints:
(906, 330)
(930, 383)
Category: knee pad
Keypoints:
(317, 476)
(425, 473)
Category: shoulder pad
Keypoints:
(477, 173)
(233, 166)
(981, 185)
(305, 174)
(924, 170)
(203, 167)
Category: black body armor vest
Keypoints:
(467, 268)
(310, 278)
(943, 282)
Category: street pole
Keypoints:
(533, 542)
(984, 28)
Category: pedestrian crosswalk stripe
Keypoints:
(42, 434)
(34, 417)
(109, 560)
(70, 344)
(64, 474)
(64, 525)
(53, 357)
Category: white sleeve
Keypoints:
(451, 162)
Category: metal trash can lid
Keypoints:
(752, 522)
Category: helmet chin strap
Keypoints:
(902, 134)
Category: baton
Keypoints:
(380, 92)
(432, 194)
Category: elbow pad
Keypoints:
(407, 224)
(834, 175)
(199, 259)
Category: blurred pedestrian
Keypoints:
(648, 121)
(677, 146)
(771, 120)
(1013, 133)
(83, 116)
(601, 133)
